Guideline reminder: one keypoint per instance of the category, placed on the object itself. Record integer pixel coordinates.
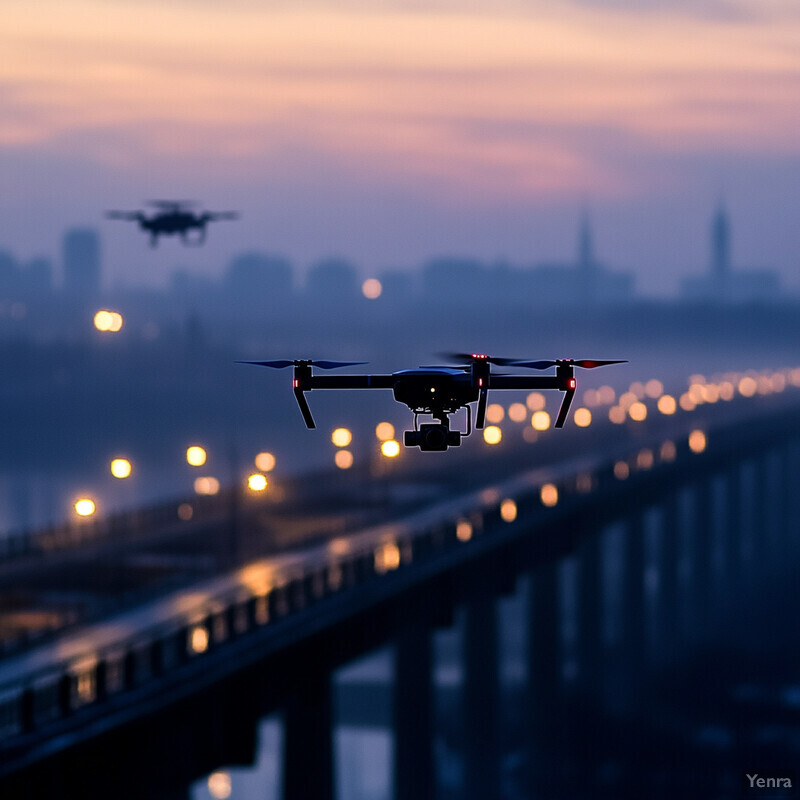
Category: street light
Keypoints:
(196, 456)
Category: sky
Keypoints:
(389, 132)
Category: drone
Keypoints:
(439, 391)
(171, 217)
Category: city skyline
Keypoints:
(600, 279)
(390, 136)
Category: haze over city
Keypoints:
(389, 136)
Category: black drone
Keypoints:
(439, 390)
(171, 217)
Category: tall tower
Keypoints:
(720, 250)
(586, 265)
(586, 262)
(80, 253)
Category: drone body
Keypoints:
(439, 390)
(173, 217)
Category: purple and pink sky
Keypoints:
(388, 132)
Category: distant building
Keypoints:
(587, 281)
(81, 262)
(38, 275)
(722, 284)
(332, 280)
(259, 279)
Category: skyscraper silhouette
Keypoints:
(80, 253)
(720, 252)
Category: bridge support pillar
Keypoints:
(702, 532)
(791, 471)
(308, 727)
(634, 597)
(481, 700)
(591, 667)
(669, 565)
(414, 769)
(785, 499)
(544, 689)
(734, 528)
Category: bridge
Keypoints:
(631, 548)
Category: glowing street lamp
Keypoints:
(492, 434)
(257, 482)
(108, 321)
(85, 507)
(207, 485)
(371, 288)
(384, 431)
(121, 468)
(265, 462)
(343, 459)
(341, 437)
(196, 456)
(390, 448)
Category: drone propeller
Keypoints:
(472, 357)
(585, 363)
(282, 364)
(215, 215)
(170, 205)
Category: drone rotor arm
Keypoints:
(564, 410)
(480, 417)
(305, 410)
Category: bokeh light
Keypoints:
(508, 510)
(384, 431)
(219, 785)
(653, 388)
(265, 462)
(747, 386)
(540, 421)
(517, 412)
(121, 468)
(582, 417)
(206, 485)
(343, 459)
(697, 441)
(621, 470)
(548, 494)
(667, 405)
(196, 456)
(492, 434)
(371, 288)
(668, 451)
(638, 412)
(627, 399)
(108, 321)
(495, 413)
(606, 395)
(85, 507)
(199, 639)
(463, 530)
(617, 414)
(390, 448)
(341, 437)
(535, 401)
(257, 482)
